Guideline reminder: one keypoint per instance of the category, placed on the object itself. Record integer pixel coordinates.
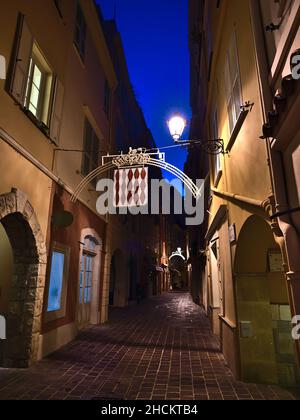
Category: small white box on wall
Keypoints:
(2, 68)
(246, 330)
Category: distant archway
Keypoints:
(25, 293)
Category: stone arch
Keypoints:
(26, 290)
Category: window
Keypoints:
(233, 84)
(215, 136)
(91, 150)
(281, 7)
(39, 87)
(58, 282)
(58, 5)
(209, 41)
(86, 272)
(106, 98)
(33, 85)
(80, 32)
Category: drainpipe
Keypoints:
(240, 198)
(289, 240)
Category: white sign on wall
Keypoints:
(2, 328)
(2, 68)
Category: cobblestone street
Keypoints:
(160, 349)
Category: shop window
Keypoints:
(56, 306)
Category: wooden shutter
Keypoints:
(22, 61)
(57, 111)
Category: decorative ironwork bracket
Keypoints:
(211, 147)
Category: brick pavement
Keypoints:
(160, 349)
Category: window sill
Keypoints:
(218, 178)
(236, 130)
(40, 125)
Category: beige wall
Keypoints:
(17, 172)
(12, 119)
(245, 170)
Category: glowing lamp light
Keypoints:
(176, 125)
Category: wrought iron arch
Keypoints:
(133, 159)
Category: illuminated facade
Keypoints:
(58, 117)
(248, 283)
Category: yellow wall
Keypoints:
(81, 96)
(245, 170)
(17, 172)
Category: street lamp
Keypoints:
(177, 124)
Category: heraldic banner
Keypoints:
(131, 187)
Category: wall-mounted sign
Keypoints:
(275, 261)
(246, 329)
(62, 219)
(2, 68)
(131, 187)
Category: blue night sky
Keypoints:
(155, 39)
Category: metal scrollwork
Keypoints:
(214, 147)
(134, 157)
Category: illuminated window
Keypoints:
(39, 87)
(56, 281)
(57, 292)
(80, 32)
(233, 84)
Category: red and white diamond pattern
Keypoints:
(131, 187)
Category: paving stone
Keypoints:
(160, 349)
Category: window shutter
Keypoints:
(227, 80)
(22, 60)
(57, 112)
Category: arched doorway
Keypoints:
(23, 253)
(89, 278)
(267, 351)
(178, 270)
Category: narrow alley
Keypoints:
(160, 349)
